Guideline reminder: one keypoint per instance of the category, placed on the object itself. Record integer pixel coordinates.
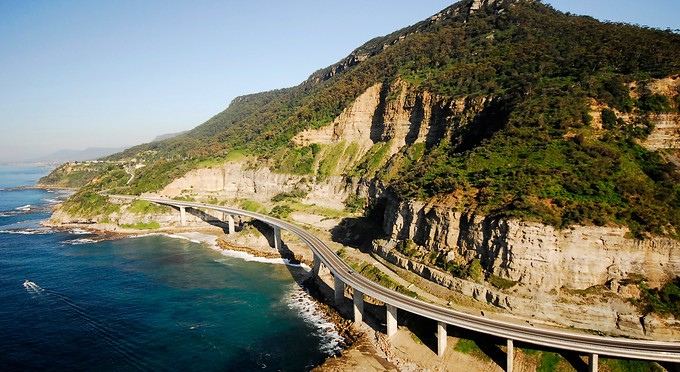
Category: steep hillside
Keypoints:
(501, 149)
(508, 108)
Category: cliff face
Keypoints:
(396, 114)
(533, 254)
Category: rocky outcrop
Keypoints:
(666, 132)
(536, 255)
(395, 113)
(235, 180)
(613, 315)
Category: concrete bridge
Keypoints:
(343, 275)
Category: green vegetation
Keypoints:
(408, 248)
(88, 204)
(79, 174)
(373, 160)
(281, 211)
(296, 160)
(144, 207)
(522, 145)
(184, 198)
(331, 157)
(627, 365)
(142, 225)
(664, 300)
(251, 205)
(500, 283)
(318, 210)
(470, 347)
(295, 195)
(548, 362)
(373, 273)
(355, 203)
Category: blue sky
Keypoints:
(77, 73)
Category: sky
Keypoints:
(77, 73)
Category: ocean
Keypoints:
(152, 302)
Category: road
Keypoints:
(560, 339)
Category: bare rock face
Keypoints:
(352, 125)
(534, 254)
(612, 315)
(387, 113)
(666, 132)
(235, 180)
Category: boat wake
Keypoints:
(33, 288)
(111, 339)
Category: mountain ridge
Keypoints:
(509, 77)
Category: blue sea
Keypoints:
(71, 301)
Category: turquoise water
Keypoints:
(145, 303)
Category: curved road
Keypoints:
(617, 347)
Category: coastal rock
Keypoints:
(594, 310)
(537, 255)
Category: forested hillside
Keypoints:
(532, 81)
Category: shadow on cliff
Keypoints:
(359, 232)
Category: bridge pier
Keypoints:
(441, 339)
(592, 362)
(510, 355)
(358, 306)
(182, 216)
(391, 320)
(316, 269)
(339, 288)
(277, 238)
(230, 223)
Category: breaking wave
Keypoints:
(331, 341)
(36, 231)
(80, 241)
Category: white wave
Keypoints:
(300, 301)
(249, 257)
(182, 236)
(39, 231)
(211, 242)
(32, 288)
(79, 241)
(50, 191)
(50, 200)
(78, 231)
(24, 208)
(4, 214)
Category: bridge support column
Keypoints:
(592, 362)
(230, 223)
(441, 338)
(182, 216)
(277, 238)
(510, 356)
(339, 288)
(391, 320)
(317, 266)
(358, 306)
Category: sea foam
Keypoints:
(300, 301)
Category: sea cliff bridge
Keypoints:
(343, 275)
